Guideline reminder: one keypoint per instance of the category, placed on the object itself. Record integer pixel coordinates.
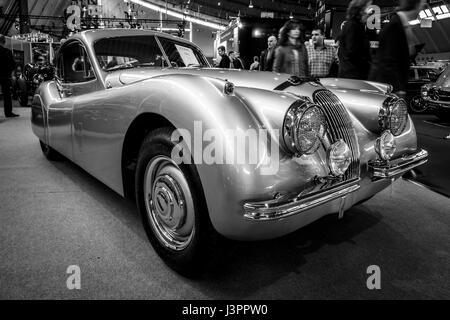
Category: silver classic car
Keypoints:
(215, 153)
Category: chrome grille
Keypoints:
(339, 127)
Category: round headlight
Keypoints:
(385, 145)
(393, 116)
(303, 129)
(339, 157)
(398, 117)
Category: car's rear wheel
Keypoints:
(23, 99)
(417, 105)
(172, 206)
(49, 152)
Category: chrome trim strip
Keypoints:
(271, 210)
(397, 166)
(438, 102)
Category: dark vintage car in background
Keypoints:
(119, 96)
(437, 95)
(419, 76)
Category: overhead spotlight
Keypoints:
(218, 4)
(291, 16)
(250, 5)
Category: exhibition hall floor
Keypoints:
(54, 215)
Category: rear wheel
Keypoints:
(172, 206)
(23, 99)
(49, 152)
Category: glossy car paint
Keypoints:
(89, 127)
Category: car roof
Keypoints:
(91, 36)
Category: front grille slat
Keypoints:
(339, 127)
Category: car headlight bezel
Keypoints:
(302, 137)
(391, 114)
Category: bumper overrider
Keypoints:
(390, 169)
(275, 209)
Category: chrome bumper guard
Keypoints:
(395, 167)
(274, 210)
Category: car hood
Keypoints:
(241, 78)
(363, 99)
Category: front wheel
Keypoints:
(172, 206)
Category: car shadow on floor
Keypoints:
(257, 264)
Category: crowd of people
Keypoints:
(351, 58)
(291, 54)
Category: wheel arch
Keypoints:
(135, 135)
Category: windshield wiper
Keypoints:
(120, 67)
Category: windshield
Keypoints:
(144, 51)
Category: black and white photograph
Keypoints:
(248, 151)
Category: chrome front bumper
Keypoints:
(273, 209)
(383, 170)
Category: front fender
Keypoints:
(200, 112)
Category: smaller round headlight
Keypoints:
(385, 145)
(339, 157)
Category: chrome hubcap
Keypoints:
(169, 203)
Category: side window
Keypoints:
(74, 64)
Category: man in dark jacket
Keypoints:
(396, 47)
(354, 47)
(7, 65)
(268, 55)
(225, 60)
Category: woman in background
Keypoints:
(291, 55)
(354, 47)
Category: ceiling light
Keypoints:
(179, 15)
(250, 5)
(291, 16)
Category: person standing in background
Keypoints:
(255, 64)
(354, 47)
(6, 68)
(320, 56)
(396, 47)
(291, 55)
(268, 55)
(238, 62)
(224, 61)
(232, 57)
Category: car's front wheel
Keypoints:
(172, 206)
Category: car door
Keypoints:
(73, 79)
